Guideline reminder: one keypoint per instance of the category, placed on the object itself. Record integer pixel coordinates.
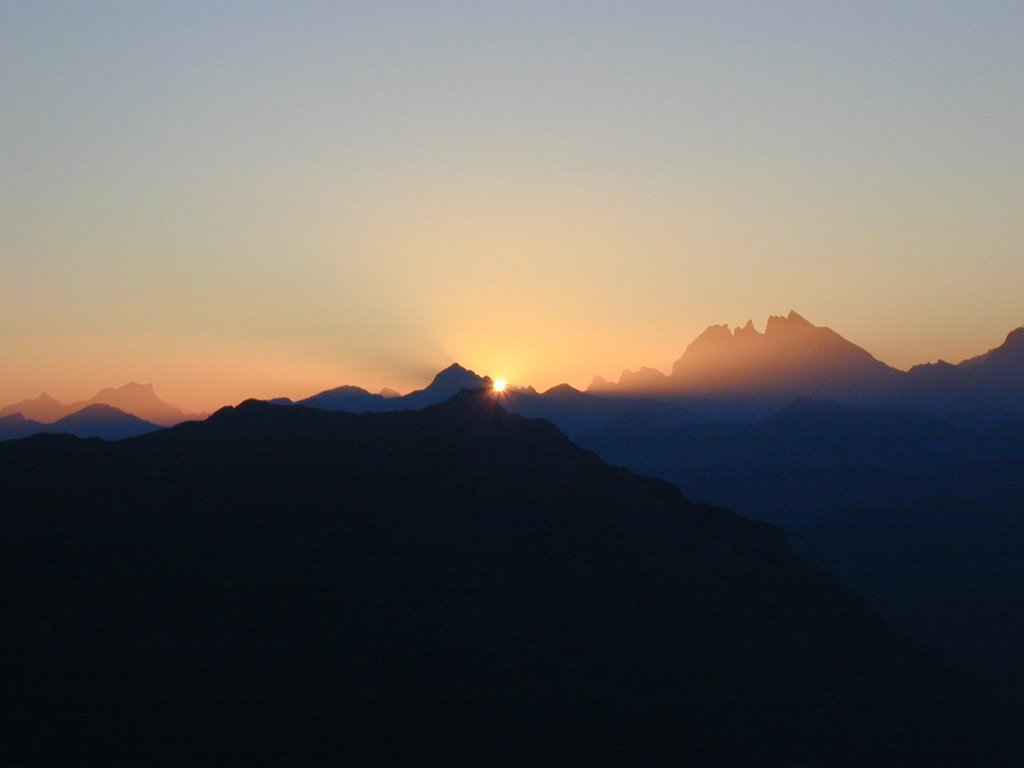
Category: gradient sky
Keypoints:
(258, 199)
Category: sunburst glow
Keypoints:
(499, 385)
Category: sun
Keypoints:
(499, 385)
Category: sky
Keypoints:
(251, 199)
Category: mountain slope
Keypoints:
(346, 398)
(14, 426)
(97, 420)
(948, 571)
(44, 409)
(139, 400)
(453, 583)
(357, 400)
(576, 412)
(103, 421)
(791, 358)
(983, 390)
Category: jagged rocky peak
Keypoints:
(713, 337)
(748, 331)
(455, 374)
(721, 335)
(791, 322)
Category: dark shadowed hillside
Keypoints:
(950, 572)
(280, 584)
(816, 457)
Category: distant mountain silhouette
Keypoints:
(357, 400)
(96, 420)
(43, 409)
(743, 375)
(140, 400)
(446, 384)
(346, 398)
(451, 584)
(99, 420)
(569, 409)
(815, 457)
(136, 399)
(576, 412)
(982, 390)
(922, 517)
(791, 358)
(14, 426)
(1006, 359)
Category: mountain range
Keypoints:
(453, 584)
(860, 463)
(735, 375)
(96, 420)
(358, 400)
(742, 373)
(791, 358)
(139, 400)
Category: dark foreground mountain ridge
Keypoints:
(454, 583)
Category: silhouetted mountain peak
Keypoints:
(133, 398)
(1006, 359)
(457, 376)
(445, 384)
(565, 389)
(99, 409)
(712, 336)
(348, 389)
(43, 409)
(140, 400)
(792, 357)
(102, 420)
(747, 331)
(1015, 339)
(131, 389)
(790, 324)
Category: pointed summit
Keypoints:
(457, 376)
(792, 358)
(104, 421)
(1006, 359)
(44, 409)
(791, 323)
(446, 384)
